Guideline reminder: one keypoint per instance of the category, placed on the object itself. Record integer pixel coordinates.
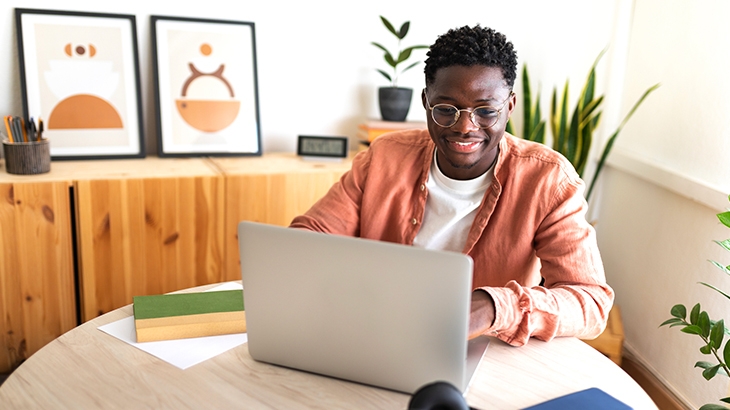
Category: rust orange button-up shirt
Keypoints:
(531, 224)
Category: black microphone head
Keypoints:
(438, 396)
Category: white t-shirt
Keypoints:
(450, 209)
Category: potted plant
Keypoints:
(710, 331)
(395, 101)
(572, 134)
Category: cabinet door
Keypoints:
(147, 236)
(271, 198)
(37, 297)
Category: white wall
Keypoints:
(315, 62)
(670, 175)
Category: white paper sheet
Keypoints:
(182, 353)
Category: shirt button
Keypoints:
(423, 187)
(414, 221)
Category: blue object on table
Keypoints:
(593, 398)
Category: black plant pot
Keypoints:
(394, 103)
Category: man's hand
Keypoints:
(482, 313)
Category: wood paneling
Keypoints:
(37, 298)
(272, 189)
(147, 236)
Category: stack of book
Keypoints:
(184, 315)
(372, 129)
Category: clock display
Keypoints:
(322, 146)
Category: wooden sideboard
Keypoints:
(85, 238)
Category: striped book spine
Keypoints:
(185, 315)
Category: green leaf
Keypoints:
(717, 333)
(704, 323)
(389, 26)
(692, 329)
(612, 139)
(704, 365)
(403, 30)
(679, 311)
(724, 217)
(527, 101)
(694, 315)
(720, 291)
(725, 244)
(725, 269)
(404, 55)
(712, 407)
(410, 66)
(386, 75)
(725, 399)
(671, 321)
(706, 349)
(726, 353)
(711, 372)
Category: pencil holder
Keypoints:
(27, 158)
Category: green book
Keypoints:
(185, 315)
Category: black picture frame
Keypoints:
(218, 116)
(79, 73)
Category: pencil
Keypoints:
(8, 129)
(23, 130)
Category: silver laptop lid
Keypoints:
(378, 313)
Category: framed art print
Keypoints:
(206, 90)
(79, 75)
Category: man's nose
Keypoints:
(464, 124)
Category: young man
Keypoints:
(514, 206)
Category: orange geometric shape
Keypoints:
(67, 50)
(208, 115)
(84, 111)
(92, 50)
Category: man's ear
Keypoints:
(512, 102)
(423, 99)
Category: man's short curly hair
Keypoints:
(470, 46)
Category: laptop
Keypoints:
(377, 313)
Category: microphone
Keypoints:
(438, 396)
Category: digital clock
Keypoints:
(330, 147)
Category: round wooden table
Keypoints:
(88, 369)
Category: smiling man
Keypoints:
(465, 185)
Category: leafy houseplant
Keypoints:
(710, 331)
(396, 101)
(572, 133)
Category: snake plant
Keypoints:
(573, 132)
(534, 125)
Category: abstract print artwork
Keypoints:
(80, 78)
(206, 87)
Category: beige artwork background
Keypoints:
(230, 46)
(50, 42)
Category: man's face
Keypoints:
(464, 151)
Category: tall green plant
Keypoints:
(533, 125)
(573, 136)
(711, 332)
(573, 130)
(403, 54)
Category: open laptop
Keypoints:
(377, 313)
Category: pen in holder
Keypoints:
(27, 158)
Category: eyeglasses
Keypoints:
(447, 115)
